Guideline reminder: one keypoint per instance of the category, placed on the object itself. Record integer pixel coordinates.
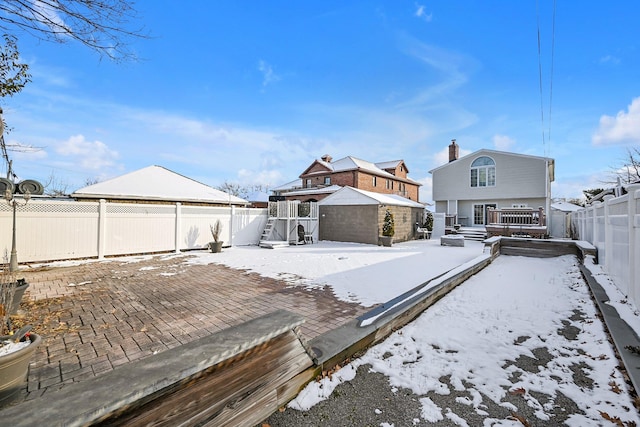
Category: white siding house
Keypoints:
(469, 186)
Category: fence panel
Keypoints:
(49, 230)
(132, 228)
(248, 224)
(634, 238)
(599, 230)
(617, 261)
(614, 228)
(197, 222)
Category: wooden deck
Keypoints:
(517, 222)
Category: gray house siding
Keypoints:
(516, 177)
(519, 180)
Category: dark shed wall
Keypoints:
(404, 218)
(357, 223)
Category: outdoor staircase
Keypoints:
(265, 238)
(472, 233)
(268, 230)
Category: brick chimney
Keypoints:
(454, 151)
(326, 158)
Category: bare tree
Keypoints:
(55, 187)
(101, 25)
(629, 172)
(242, 191)
(91, 181)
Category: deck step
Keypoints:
(274, 244)
(478, 234)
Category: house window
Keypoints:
(388, 184)
(327, 180)
(308, 183)
(483, 172)
(375, 181)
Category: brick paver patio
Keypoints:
(96, 316)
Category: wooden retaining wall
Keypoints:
(238, 376)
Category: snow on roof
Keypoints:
(297, 183)
(565, 206)
(349, 163)
(314, 190)
(156, 183)
(355, 196)
(389, 165)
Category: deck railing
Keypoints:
(450, 220)
(516, 216)
(285, 209)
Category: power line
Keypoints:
(553, 38)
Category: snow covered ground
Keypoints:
(523, 328)
(519, 339)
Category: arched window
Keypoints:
(483, 172)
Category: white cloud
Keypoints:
(88, 155)
(268, 178)
(426, 191)
(608, 59)
(442, 157)
(451, 66)
(50, 18)
(421, 13)
(503, 142)
(268, 75)
(624, 128)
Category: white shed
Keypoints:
(560, 219)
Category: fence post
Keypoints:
(634, 231)
(608, 232)
(102, 232)
(231, 223)
(178, 226)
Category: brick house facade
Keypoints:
(324, 177)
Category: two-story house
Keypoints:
(325, 176)
(469, 187)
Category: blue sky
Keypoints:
(253, 92)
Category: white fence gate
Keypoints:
(49, 230)
(613, 226)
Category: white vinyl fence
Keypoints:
(49, 230)
(613, 226)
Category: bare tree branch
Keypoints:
(629, 170)
(102, 25)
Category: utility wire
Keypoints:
(553, 49)
(553, 36)
(540, 75)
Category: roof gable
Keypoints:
(318, 166)
(488, 152)
(354, 196)
(156, 183)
